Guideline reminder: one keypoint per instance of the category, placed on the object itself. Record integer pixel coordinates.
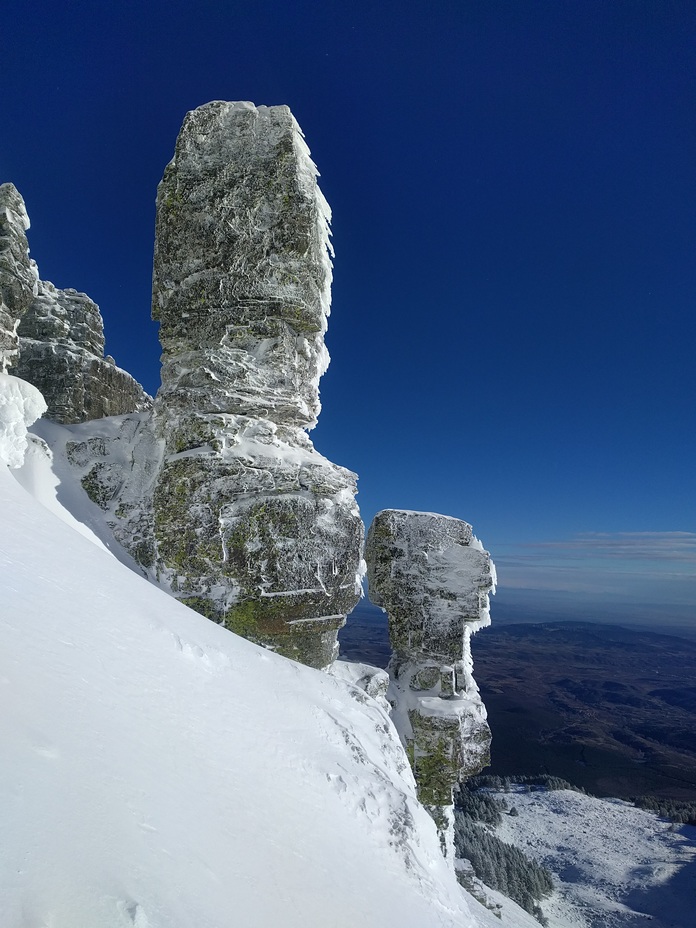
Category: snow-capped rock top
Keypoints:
(425, 564)
(55, 338)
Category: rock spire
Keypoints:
(252, 526)
(432, 576)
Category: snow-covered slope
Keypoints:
(159, 772)
(614, 866)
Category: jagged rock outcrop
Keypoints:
(433, 577)
(18, 275)
(252, 526)
(54, 339)
(62, 353)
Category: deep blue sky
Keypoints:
(514, 193)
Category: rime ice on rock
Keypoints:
(62, 353)
(55, 338)
(433, 577)
(21, 404)
(253, 527)
(18, 276)
(242, 273)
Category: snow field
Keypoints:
(615, 866)
(158, 771)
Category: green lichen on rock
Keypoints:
(426, 678)
(275, 555)
(192, 432)
(101, 483)
(144, 553)
(477, 754)
(436, 752)
(243, 620)
(177, 529)
(269, 623)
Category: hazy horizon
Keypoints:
(529, 606)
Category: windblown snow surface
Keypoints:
(614, 866)
(159, 772)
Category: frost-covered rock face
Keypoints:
(242, 274)
(62, 353)
(117, 462)
(433, 577)
(253, 527)
(55, 338)
(18, 277)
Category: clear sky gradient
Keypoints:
(514, 193)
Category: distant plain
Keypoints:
(609, 708)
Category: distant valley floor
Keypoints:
(608, 708)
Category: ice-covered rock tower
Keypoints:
(432, 576)
(252, 526)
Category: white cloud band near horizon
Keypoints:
(632, 564)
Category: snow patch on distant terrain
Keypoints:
(614, 866)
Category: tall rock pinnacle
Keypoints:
(253, 527)
(433, 577)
